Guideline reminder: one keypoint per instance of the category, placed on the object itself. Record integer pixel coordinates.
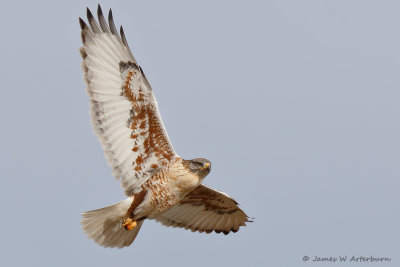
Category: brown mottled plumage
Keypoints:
(159, 184)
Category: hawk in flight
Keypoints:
(159, 184)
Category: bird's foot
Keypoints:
(129, 224)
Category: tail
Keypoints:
(105, 225)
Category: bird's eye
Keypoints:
(198, 164)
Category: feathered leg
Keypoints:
(129, 223)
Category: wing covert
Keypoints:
(124, 111)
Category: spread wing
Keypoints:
(124, 110)
(205, 210)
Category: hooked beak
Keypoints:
(206, 166)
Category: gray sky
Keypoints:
(296, 103)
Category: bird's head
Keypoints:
(200, 166)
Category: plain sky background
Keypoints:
(296, 103)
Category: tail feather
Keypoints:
(104, 225)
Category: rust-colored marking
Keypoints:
(141, 96)
(145, 125)
(141, 113)
(137, 199)
(146, 145)
(167, 156)
(127, 91)
(161, 195)
(138, 168)
(142, 125)
(139, 160)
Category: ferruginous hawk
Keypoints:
(159, 184)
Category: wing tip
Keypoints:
(99, 11)
(250, 219)
(92, 21)
(112, 25)
(82, 23)
(110, 15)
(102, 26)
(89, 14)
(122, 34)
(102, 21)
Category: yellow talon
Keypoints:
(129, 224)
